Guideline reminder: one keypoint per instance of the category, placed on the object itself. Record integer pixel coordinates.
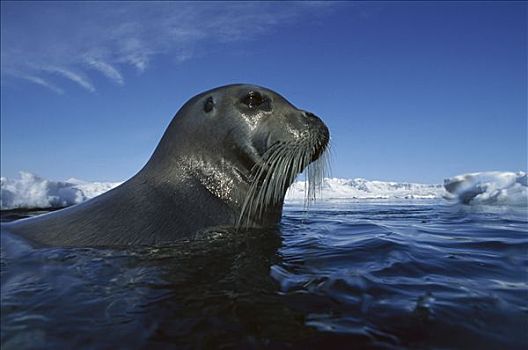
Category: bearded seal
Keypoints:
(226, 159)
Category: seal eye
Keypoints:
(209, 104)
(253, 99)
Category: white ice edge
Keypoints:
(485, 188)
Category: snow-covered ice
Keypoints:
(333, 188)
(32, 191)
(488, 188)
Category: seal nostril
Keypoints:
(313, 117)
(314, 120)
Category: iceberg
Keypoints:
(489, 188)
(31, 191)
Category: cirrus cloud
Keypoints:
(43, 42)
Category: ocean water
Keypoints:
(342, 275)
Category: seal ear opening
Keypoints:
(209, 104)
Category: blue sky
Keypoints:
(410, 91)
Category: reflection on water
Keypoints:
(342, 275)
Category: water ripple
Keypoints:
(373, 274)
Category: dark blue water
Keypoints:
(388, 275)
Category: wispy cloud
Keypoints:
(75, 77)
(108, 70)
(73, 40)
(42, 82)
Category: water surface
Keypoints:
(367, 274)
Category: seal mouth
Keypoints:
(319, 134)
(322, 143)
(278, 167)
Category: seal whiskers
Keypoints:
(281, 164)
